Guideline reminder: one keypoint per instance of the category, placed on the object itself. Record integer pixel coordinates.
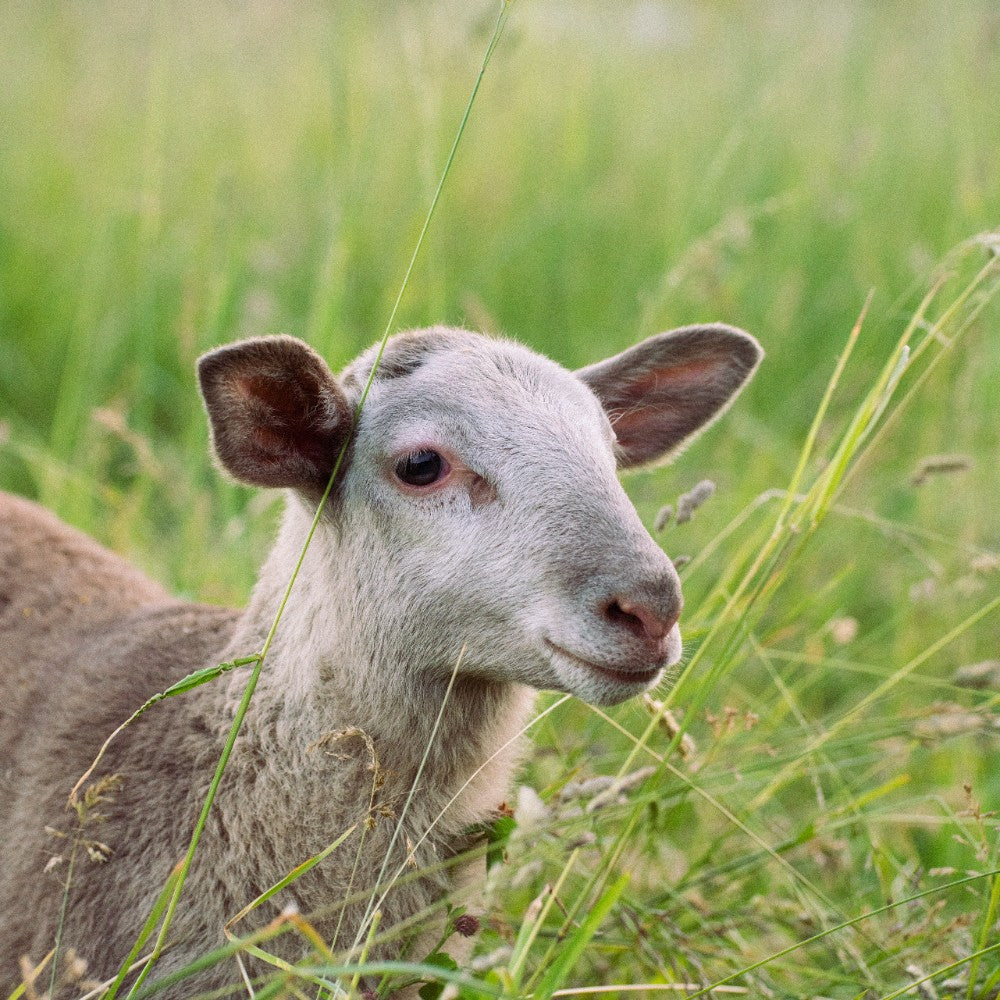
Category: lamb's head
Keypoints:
(478, 515)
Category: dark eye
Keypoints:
(420, 468)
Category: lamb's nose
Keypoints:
(648, 620)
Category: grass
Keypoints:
(177, 177)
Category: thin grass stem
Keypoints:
(251, 685)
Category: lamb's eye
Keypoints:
(421, 468)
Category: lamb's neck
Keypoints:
(323, 678)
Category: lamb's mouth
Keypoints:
(643, 677)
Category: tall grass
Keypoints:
(174, 177)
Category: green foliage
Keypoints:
(177, 176)
(497, 835)
(441, 960)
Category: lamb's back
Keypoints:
(86, 640)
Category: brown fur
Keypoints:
(95, 610)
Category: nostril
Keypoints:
(617, 614)
(641, 620)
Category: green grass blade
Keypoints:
(571, 948)
(258, 665)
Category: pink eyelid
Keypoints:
(481, 491)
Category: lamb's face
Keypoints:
(485, 523)
(478, 519)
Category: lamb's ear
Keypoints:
(660, 392)
(277, 414)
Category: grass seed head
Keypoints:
(843, 630)
(939, 465)
(687, 747)
(96, 851)
(74, 967)
(689, 502)
(663, 516)
(979, 675)
(985, 563)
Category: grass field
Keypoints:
(175, 176)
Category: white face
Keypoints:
(479, 516)
(483, 518)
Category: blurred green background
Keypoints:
(175, 176)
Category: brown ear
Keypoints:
(662, 391)
(277, 414)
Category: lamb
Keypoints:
(476, 536)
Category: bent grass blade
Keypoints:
(259, 659)
(188, 683)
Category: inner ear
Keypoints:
(277, 415)
(661, 392)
